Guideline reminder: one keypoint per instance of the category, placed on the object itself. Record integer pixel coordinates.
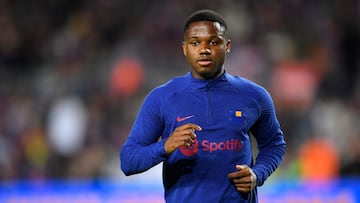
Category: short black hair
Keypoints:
(205, 15)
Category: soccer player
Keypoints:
(199, 125)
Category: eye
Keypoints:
(195, 43)
(213, 43)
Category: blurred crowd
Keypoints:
(73, 75)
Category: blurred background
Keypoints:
(73, 75)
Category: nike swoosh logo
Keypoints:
(180, 119)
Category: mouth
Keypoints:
(204, 62)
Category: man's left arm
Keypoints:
(270, 140)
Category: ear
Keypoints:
(228, 46)
(184, 48)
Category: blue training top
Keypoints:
(227, 109)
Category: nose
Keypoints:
(205, 49)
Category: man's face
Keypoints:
(205, 46)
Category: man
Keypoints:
(199, 125)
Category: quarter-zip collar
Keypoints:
(196, 83)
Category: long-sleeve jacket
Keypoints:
(229, 109)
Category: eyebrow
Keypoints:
(210, 37)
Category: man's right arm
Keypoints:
(142, 150)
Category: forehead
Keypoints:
(203, 28)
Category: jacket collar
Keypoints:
(196, 83)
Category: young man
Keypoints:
(204, 119)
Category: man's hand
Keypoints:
(182, 136)
(244, 179)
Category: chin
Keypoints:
(208, 75)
